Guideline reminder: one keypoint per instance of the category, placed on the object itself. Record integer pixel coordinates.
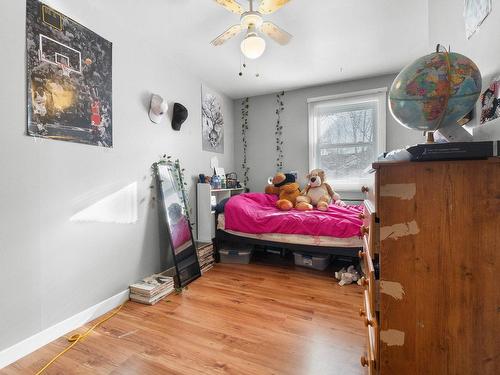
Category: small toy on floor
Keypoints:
(347, 276)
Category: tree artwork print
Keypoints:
(212, 121)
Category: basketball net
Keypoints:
(65, 69)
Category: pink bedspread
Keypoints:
(256, 213)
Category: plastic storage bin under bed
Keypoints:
(236, 256)
(315, 261)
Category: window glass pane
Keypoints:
(346, 163)
(347, 139)
(347, 124)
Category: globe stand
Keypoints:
(430, 137)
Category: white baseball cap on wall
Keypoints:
(158, 108)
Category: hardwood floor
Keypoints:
(237, 319)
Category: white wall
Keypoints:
(447, 27)
(262, 119)
(51, 268)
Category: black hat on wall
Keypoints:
(179, 116)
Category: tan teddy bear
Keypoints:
(318, 193)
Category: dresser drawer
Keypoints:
(371, 356)
(370, 226)
(368, 189)
(368, 281)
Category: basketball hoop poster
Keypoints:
(69, 79)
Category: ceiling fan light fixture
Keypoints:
(251, 19)
(253, 46)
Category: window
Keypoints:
(346, 134)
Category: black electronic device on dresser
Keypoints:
(453, 151)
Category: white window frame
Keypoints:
(379, 95)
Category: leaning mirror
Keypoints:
(173, 210)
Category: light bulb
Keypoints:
(253, 46)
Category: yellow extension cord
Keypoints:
(77, 337)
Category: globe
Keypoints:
(435, 91)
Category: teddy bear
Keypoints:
(318, 193)
(284, 186)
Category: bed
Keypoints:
(253, 219)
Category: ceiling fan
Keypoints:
(251, 21)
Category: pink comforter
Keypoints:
(256, 213)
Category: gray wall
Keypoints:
(262, 118)
(51, 268)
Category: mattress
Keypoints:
(298, 239)
(256, 213)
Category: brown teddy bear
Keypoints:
(318, 193)
(284, 186)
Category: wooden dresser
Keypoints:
(432, 263)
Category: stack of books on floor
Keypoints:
(206, 257)
(151, 289)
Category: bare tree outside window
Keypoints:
(346, 134)
(346, 143)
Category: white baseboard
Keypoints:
(29, 345)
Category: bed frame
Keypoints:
(222, 236)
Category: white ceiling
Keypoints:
(334, 40)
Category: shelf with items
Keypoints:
(206, 200)
(221, 190)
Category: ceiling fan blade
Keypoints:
(271, 6)
(226, 35)
(231, 5)
(275, 33)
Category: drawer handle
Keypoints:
(368, 322)
(364, 281)
(361, 254)
(362, 216)
(362, 312)
(364, 361)
(365, 189)
(365, 230)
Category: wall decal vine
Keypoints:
(244, 128)
(280, 107)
